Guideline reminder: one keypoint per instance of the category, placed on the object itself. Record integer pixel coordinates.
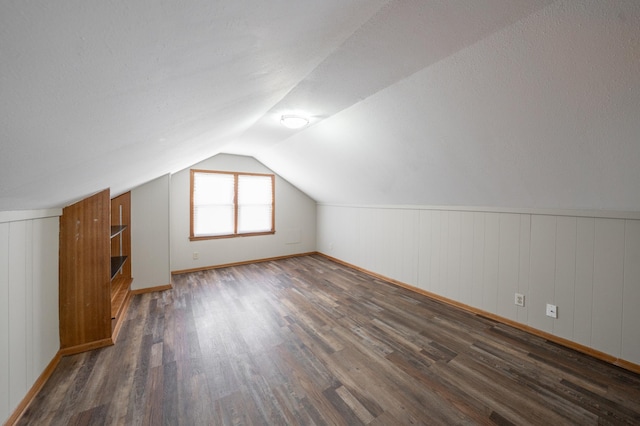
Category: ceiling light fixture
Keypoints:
(294, 121)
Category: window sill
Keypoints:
(219, 237)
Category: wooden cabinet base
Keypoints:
(120, 292)
(116, 326)
(72, 350)
(121, 314)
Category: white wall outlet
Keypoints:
(196, 255)
(552, 311)
(519, 299)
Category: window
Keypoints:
(229, 204)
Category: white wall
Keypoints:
(150, 265)
(588, 266)
(295, 221)
(29, 337)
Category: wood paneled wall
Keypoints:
(588, 266)
(29, 337)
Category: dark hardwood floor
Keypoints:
(306, 341)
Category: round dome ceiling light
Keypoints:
(294, 121)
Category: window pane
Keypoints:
(256, 218)
(213, 220)
(213, 195)
(213, 188)
(254, 190)
(255, 206)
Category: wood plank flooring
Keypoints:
(306, 341)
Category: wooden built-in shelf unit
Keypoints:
(120, 254)
(95, 271)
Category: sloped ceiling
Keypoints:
(504, 103)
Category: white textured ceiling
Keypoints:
(504, 103)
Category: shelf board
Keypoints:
(117, 229)
(116, 264)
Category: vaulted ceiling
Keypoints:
(501, 103)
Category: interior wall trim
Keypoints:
(48, 371)
(244, 262)
(37, 386)
(599, 214)
(152, 289)
(72, 350)
(46, 374)
(627, 365)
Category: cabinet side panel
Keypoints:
(85, 306)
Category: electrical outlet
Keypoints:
(552, 311)
(519, 299)
(196, 255)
